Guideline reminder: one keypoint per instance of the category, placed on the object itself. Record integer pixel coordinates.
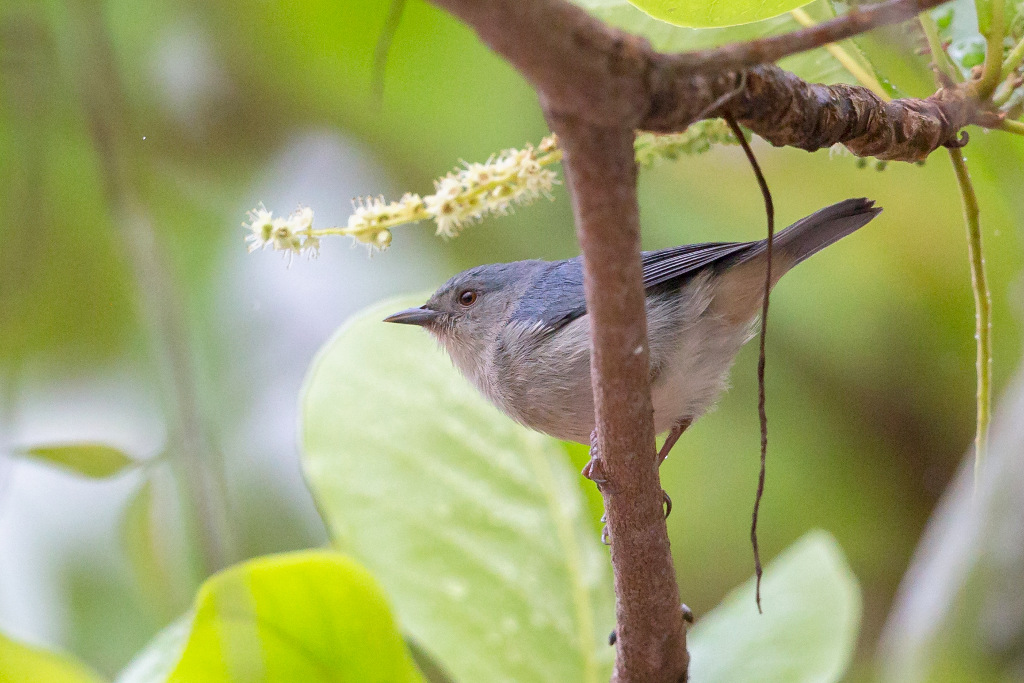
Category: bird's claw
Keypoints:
(594, 471)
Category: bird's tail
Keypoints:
(810, 235)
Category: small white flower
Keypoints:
(260, 227)
(302, 219)
(291, 235)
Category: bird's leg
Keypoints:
(673, 435)
(594, 469)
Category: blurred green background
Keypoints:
(134, 136)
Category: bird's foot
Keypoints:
(594, 469)
(668, 503)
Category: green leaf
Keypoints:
(812, 608)
(968, 52)
(137, 531)
(149, 555)
(476, 526)
(21, 663)
(703, 14)
(93, 460)
(304, 616)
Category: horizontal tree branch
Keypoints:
(586, 70)
(788, 111)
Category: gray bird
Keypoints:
(519, 331)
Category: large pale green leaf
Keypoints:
(475, 525)
(808, 630)
(704, 14)
(88, 459)
(305, 616)
(20, 663)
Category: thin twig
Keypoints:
(1015, 127)
(769, 209)
(982, 307)
(992, 69)
(1015, 58)
(1005, 90)
(940, 58)
(859, 19)
(862, 74)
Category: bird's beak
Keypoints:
(413, 316)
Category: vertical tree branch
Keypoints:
(601, 174)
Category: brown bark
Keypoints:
(787, 111)
(601, 174)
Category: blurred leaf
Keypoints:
(807, 632)
(960, 600)
(701, 14)
(968, 52)
(160, 657)
(147, 555)
(476, 526)
(305, 616)
(20, 663)
(137, 531)
(88, 459)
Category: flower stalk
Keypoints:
(463, 197)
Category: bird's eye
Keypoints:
(467, 298)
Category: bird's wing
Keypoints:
(555, 298)
(676, 264)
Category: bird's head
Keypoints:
(466, 313)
